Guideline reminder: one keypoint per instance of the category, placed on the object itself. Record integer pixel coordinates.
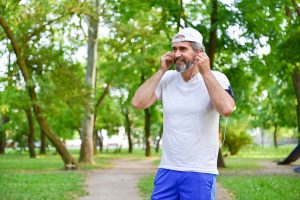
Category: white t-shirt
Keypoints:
(190, 139)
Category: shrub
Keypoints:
(235, 141)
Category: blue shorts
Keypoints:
(181, 185)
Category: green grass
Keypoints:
(43, 177)
(145, 186)
(269, 152)
(262, 187)
(24, 163)
(54, 185)
(249, 187)
(236, 164)
(136, 154)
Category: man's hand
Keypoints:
(201, 60)
(166, 60)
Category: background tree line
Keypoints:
(46, 91)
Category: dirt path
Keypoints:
(120, 182)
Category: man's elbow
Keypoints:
(228, 111)
(136, 104)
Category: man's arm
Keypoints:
(222, 101)
(145, 94)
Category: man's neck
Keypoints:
(189, 74)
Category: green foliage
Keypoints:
(235, 136)
(139, 33)
(109, 117)
(235, 141)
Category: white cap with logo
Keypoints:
(188, 34)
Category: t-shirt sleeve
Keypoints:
(159, 88)
(224, 82)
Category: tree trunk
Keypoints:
(97, 139)
(180, 14)
(294, 155)
(87, 150)
(296, 78)
(128, 130)
(69, 161)
(212, 45)
(2, 142)
(4, 120)
(100, 139)
(262, 138)
(295, 4)
(30, 138)
(220, 162)
(147, 132)
(43, 143)
(275, 136)
(159, 139)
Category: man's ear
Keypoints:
(197, 51)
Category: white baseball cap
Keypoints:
(188, 34)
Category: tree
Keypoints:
(30, 136)
(87, 150)
(23, 60)
(4, 120)
(69, 161)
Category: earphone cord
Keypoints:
(225, 131)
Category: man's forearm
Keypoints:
(144, 95)
(222, 101)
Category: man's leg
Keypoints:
(165, 185)
(197, 186)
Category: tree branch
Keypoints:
(295, 4)
(101, 98)
(39, 29)
(19, 55)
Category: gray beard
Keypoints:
(184, 68)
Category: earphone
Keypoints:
(224, 134)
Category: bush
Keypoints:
(235, 141)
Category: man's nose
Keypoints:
(177, 54)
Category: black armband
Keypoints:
(230, 91)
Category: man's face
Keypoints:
(183, 56)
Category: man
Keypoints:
(193, 97)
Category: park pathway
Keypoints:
(120, 182)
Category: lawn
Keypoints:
(44, 178)
(265, 187)
(24, 178)
(51, 185)
(262, 187)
